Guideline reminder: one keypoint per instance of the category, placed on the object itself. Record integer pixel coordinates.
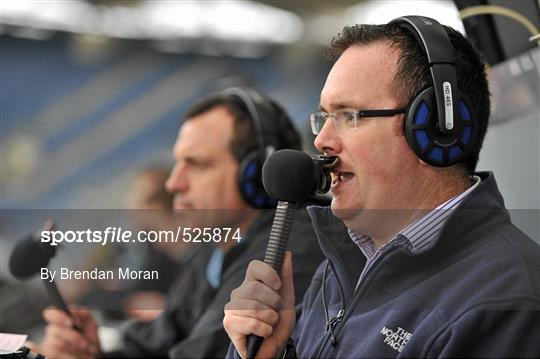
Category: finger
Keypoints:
(81, 313)
(87, 323)
(58, 352)
(91, 333)
(243, 326)
(287, 290)
(63, 338)
(262, 272)
(259, 292)
(54, 347)
(70, 339)
(57, 317)
(80, 316)
(32, 346)
(89, 326)
(238, 340)
(252, 309)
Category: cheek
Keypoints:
(205, 189)
(403, 156)
(225, 189)
(380, 157)
(372, 160)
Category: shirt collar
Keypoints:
(419, 233)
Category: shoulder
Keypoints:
(498, 267)
(512, 258)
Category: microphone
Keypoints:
(291, 177)
(27, 259)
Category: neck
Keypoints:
(386, 224)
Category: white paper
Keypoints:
(9, 343)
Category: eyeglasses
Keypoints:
(347, 118)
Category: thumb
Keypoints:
(32, 346)
(287, 284)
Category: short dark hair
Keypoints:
(413, 74)
(244, 139)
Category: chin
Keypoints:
(343, 212)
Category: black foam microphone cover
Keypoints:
(29, 256)
(288, 175)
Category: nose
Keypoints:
(327, 140)
(177, 181)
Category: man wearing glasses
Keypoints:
(422, 259)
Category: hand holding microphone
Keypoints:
(260, 316)
(262, 307)
(69, 333)
(27, 259)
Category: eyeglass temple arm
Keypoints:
(380, 113)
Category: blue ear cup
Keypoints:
(250, 183)
(428, 142)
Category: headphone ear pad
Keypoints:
(425, 138)
(417, 119)
(250, 182)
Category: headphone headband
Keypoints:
(434, 41)
(262, 115)
(431, 36)
(259, 111)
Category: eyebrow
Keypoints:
(196, 158)
(338, 106)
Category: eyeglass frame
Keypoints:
(357, 114)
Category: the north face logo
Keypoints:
(396, 339)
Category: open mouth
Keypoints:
(339, 178)
(181, 203)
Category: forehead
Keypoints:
(362, 77)
(210, 132)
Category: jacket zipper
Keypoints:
(332, 337)
(332, 323)
(343, 301)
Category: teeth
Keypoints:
(340, 177)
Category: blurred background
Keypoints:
(92, 92)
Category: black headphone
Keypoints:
(440, 125)
(263, 116)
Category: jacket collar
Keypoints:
(479, 213)
(481, 210)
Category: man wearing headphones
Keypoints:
(217, 181)
(422, 258)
